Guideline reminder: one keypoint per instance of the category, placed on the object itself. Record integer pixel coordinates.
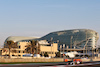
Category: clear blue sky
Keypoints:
(39, 17)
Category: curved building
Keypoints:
(20, 38)
(76, 38)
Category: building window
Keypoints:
(52, 52)
(49, 52)
(19, 55)
(19, 51)
(19, 47)
(43, 52)
(23, 52)
(13, 55)
(55, 52)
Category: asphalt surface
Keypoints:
(88, 66)
(50, 66)
(57, 64)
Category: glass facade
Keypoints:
(77, 38)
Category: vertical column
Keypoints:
(63, 50)
(71, 42)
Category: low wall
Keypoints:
(91, 59)
(31, 60)
(6, 60)
(86, 60)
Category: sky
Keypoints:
(37, 18)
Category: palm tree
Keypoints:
(32, 47)
(35, 47)
(46, 54)
(10, 44)
(58, 54)
(5, 50)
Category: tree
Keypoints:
(4, 50)
(58, 54)
(33, 47)
(10, 44)
(46, 54)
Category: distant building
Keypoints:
(51, 49)
(41, 48)
(20, 38)
(76, 38)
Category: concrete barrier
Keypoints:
(86, 60)
(6, 60)
(32, 60)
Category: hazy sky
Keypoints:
(39, 17)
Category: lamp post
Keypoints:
(63, 49)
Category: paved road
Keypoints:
(32, 64)
(50, 66)
(88, 66)
(57, 64)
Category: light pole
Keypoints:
(63, 49)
